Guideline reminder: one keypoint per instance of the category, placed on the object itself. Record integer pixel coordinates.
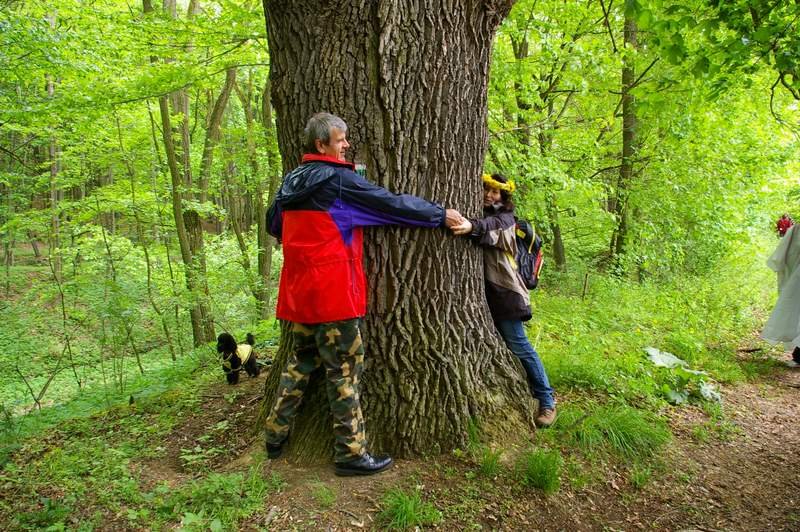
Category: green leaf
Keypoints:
(700, 67)
(762, 34)
(675, 53)
(632, 7)
(645, 19)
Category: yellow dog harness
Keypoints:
(243, 351)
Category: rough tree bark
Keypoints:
(410, 79)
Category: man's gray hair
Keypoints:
(319, 127)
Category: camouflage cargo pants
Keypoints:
(337, 345)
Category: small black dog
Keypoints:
(237, 356)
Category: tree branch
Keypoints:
(607, 23)
(606, 169)
(17, 158)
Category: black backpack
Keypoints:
(529, 254)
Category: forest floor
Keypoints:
(739, 474)
(735, 468)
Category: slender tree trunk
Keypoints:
(621, 207)
(551, 204)
(55, 215)
(37, 253)
(55, 190)
(557, 243)
(127, 324)
(266, 243)
(161, 223)
(187, 222)
(107, 219)
(417, 119)
(213, 132)
(192, 219)
(268, 185)
(521, 53)
(8, 259)
(143, 243)
(195, 312)
(8, 239)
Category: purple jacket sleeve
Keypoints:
(275, 220)
(370, 204)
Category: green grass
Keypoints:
(718, 425)
(595, 344)
(93, 464)
(623, 430)
(640, 476)
(541, 469)
(163, 380)
(403, 510)
(474, 444)
(579, 476)
(701, 434)
(90, 444)
(217, 498)
(463, 502)
(324, 495)
(85, 460)
(489, 465)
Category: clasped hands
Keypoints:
(457, 223)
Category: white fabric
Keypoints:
(784, 322)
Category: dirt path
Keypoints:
(748, 481)
(740, 472)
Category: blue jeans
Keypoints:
(513, 333)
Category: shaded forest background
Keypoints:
(654, 143)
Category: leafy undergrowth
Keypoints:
(146, 464)
(594, 341)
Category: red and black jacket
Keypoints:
(318, 215)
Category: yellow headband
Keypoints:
(508, 187)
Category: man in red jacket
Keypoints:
(318, 215)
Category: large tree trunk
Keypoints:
(415, 103)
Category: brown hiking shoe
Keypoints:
(546, 417)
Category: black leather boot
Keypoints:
(275, 450)
(366, 465)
